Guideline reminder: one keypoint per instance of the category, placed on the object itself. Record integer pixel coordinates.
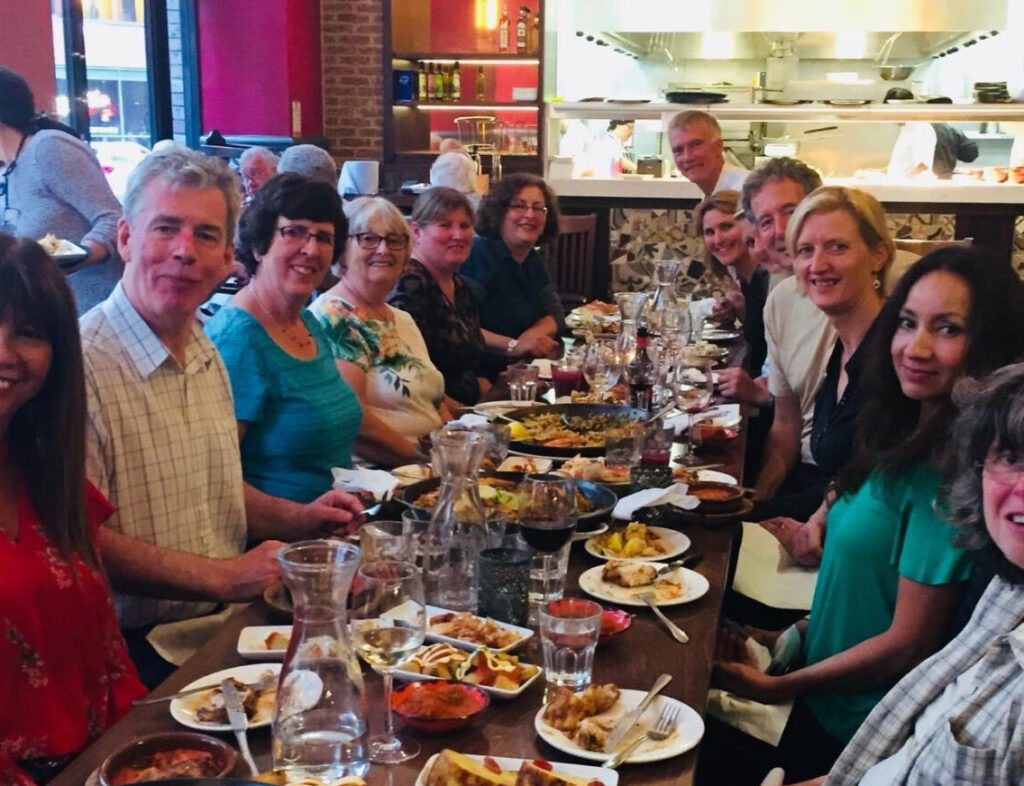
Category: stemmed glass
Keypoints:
(547, 519)
(694, 388)
(602, 367)
(388, 621)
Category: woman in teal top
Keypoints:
(297, 417)
(890, 579)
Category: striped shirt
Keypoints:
(981, 738)
(162, 445)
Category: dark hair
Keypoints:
(613, 124)
(17, 107)
(293, 196)
(897, 94)
(890, 433)
(992, 416)
(436, 203)
(782, 168)
(46, 436)
(495, 204)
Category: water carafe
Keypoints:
(631, 308)
(457, 532)
(667, 315)
(320, 714)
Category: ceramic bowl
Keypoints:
(478, 701)
(139, 752)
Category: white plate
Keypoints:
(501, 693)
(677, 544)
(712, 476)
(252, 642)
(525, 464)
(502, 406)
(600, 529)
(412, 473)
(181, 709)
(694, 586)
(524, 633)
(689, 730)
(720, 335)
(586, 772)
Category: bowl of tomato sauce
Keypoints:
(438, 706)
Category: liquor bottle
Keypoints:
(421, 85)
(522, 25)
(439, 84)
(641, 373)
(456, 83)
(431, 82)
(480, 92)
(503, 30)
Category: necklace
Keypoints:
(380, 312)
(295, 333)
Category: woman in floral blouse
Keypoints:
(438, 298)
(378, 349)
(65, 675)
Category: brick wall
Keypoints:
(351, 48)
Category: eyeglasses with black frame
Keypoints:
(369, 241)
(1005, 466)
(301, 234)
(519, 206)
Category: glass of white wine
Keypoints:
(388, 620)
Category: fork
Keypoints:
(661, 730)
(677, 633)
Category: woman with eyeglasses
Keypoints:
(520, 312)
(297, 418)
(378, 349)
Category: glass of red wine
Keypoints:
(547, 519)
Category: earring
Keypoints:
(877, 283)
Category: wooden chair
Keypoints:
(570, 259)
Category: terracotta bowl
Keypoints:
(716, 435)
(139, 751)
(717, 497)
(478, 703)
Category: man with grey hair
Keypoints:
(162, 440)
(695, 139)
(256, 165)
(456, 170)
(311, 161)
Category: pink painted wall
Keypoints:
(26, 47)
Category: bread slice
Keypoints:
(531, 775)
(454, 769)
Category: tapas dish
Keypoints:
(624, 582)
(639, 542)
(204, 711)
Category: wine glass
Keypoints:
(602, 367)
(388, 621)
(547, 519)
(694, 388)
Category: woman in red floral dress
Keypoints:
(65, 676)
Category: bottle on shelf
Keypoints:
(503, 30)
(439, 81)
(456, 82)
(522, 25)
(431, 82)
(480, 91)
(421, 84)
(534, 45)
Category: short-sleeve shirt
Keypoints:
(303, 416)
(800, 340)
(731, 178)
(403, 387)
(450, 329)
(886, 529)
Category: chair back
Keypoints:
(909, 250)
(570, 259)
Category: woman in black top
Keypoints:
(438, 298)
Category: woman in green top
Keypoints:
(890, 580)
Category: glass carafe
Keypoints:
(320, 714)
(665, 312)
(631, 308)
(456, 533)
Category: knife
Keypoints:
(261, 685)
(626, 723)
(238, 720)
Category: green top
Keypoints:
(885, 529)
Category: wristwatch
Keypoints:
(510, 350)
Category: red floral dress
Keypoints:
(65, 675)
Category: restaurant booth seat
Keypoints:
(570, 259)
(909, 250)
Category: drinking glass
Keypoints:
(393, 540)
(547, 517)
(522, 381)
(567, 374)
(568, 635)
(388, 622)
(602, 367)
(694, 388)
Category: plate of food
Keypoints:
(412, 473)
(705, 350)
(624, 581)
(264, 642)
(204, 711)
(525, 464)
(717, 334)
(499, 493)
(684, 475)
(466, 630)
(567, 430)
(595, 470)
(638, 542)
(448, 767)
(63, 251)
(579, 723)
(498, 673)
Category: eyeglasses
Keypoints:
(369, 241)
(1006, 467)
(522, 207)
(301, 234)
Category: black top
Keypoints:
(755, 294)
(451, 331)
(951, 146)
(835, 422)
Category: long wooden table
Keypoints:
(633, 660)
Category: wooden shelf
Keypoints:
(467, 57)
